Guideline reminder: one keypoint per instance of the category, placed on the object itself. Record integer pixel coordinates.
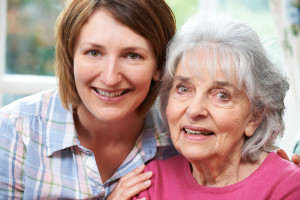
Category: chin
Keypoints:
(192, 153)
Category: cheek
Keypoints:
(226, 122)
(140, 76)
(140, 79)
(78, 68)
(230, 125)
(170, 111)
(174, 113)
(84, 72)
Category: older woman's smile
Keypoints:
(197, 134)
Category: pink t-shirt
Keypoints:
(274, 179)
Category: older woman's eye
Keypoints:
(222, 96)
(182, 89)
(94, 53)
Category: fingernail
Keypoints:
(141, 166)
(149, 173)
(148, 182)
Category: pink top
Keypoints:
(274, 179)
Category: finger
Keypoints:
(133, 185)
(140, 178)
(296, 159)
(133, 173)
(135, 189)
(282, 154)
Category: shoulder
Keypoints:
(33, 116)
(273, 164)
(285, 177)
(33, 105)
(154, 126)
(277, 163)
(168, 174)
(174, 163)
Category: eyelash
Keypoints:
(89, 52)
(224, 92)
(133, 54)
(181, 86)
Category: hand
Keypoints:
(296, 159)
(131, 184)
(282, 154)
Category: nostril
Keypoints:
(110, 78)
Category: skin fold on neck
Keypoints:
(223, 171)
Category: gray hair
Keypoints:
(235, 45)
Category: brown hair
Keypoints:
(152, 19)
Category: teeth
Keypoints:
(192, 132)
(110, 94)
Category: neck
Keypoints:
(224, 171)
(91, 130)
(110, 141)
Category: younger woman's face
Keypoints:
(113, 68)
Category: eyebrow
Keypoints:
(225, 84)
(95, 45)
(216, 83)
(222, 83)
(181, 78)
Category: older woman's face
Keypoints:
(207, 117)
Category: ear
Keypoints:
(253, 124)
(155, 76)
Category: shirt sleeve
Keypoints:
(165, 152)
(290, 189)
(12, 153)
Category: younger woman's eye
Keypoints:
(133, 56)
(94, 53)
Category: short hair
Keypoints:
(152, 19)
(235, 45)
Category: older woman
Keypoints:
(223, 100)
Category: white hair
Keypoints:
(236, 46)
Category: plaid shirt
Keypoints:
(41, 157)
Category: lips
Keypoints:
(110, 94)
(196, 132)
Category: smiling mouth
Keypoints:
(111, 94)
(192, 132)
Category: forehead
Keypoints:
(102, 28)
(205, 64)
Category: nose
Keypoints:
(110, 73)
(197, 108)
